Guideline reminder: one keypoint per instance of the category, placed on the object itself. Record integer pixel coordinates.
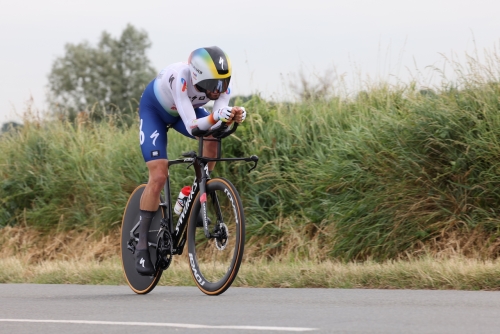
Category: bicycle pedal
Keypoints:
(131, 246)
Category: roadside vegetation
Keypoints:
(422, 273)
(84, 257)
(379, 181)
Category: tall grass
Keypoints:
(387, 172)
(424, 273)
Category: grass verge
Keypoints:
(424, 273)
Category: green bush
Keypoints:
(391, 171)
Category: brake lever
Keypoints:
(255, 160)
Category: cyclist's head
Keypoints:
(210, 70)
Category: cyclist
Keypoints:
(175, 97)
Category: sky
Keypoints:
(268, 41)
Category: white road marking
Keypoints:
(162, 324)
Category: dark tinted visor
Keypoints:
(215, 84)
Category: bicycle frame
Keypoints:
(200, 165)
(213, 210)
(171, 240)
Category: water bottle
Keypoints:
(179, 205)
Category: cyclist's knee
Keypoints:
(158, 172)
(157, 181)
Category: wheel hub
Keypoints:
(221, 239)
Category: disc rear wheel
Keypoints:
(139, 284)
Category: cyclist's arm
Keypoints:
(223, 100)
(185, 108)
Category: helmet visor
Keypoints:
(212, 85)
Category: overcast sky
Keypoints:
(266, 40)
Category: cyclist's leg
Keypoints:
(209, 147)
(153, 140)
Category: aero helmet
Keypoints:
(210, 69)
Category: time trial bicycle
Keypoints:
(215, 250)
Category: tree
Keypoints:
(108, 78)
(9, 126)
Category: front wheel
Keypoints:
(215, 261)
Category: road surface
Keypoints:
(32, 308)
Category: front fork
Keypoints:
(204, 175)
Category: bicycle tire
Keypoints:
(213, 269)
(139, 284)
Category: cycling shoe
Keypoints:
(143, 263)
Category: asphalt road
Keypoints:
(31, 308)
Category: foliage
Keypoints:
(239, 99)
(392, 171)
(9, 126)
(426, 273)
(105, 79)
(315, 87)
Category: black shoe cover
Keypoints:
(199, 221)
(143, 263)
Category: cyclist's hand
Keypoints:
(239, 114)
(224, 114)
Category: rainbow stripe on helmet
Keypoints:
(202, 56)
